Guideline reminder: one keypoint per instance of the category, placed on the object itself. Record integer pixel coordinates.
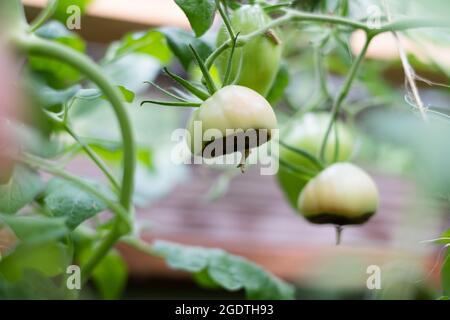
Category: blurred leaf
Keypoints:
(33, 285)
(110, 275)
(179, 41)
(132, 70)
(200, 14)
(155, 181)
(57, 74)
(50, 259)
(33, 141)
(231, 272)
(128, 95)
(151, 43)
(64, 199)
(35, 230)
(279, 85)
(23, 187)
(50, 98)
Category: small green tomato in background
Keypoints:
(342, 194)
(307, 133)
(230, 112)
(260, 57)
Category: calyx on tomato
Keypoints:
(341, 194)
(307, 133)
(260, 58)
(233, 114)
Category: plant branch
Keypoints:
(297, 16)
(343, 94)
(94, 157)
(45, 15)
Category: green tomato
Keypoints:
(229, 112)
(341, 194)
(307, 133)
(261, 56)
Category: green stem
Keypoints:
(226, 19)
(33, 45)
(44, 16)
(100, 252)
(297, 16)
(343, 94)
(94, 157)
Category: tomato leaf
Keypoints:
(230, 272)
(179, 41)
(132, 70)
(35, 230)
(57, 74)
(200, 14)
(279, 85)
(64, 199)
(50, 259)
(34, 285)
(151, 43)
(110, 275)
(23, 187)
(50, 98)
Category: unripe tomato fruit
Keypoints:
(307, 133)
(230, 111)
(261, 57)
(341, 194)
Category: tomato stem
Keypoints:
(297, 16)
(342, 95)
(44, 16)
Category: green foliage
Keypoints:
(58, 74)
(230, 272)
(151, 43)
(50, 259)
(279, 85)
(22, 188)
(200, 14)
(50, 98)
(179, 41)
(64, 199)
(34, 285)
(35, 230)
(110, 275)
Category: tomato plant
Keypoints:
(76, 107)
